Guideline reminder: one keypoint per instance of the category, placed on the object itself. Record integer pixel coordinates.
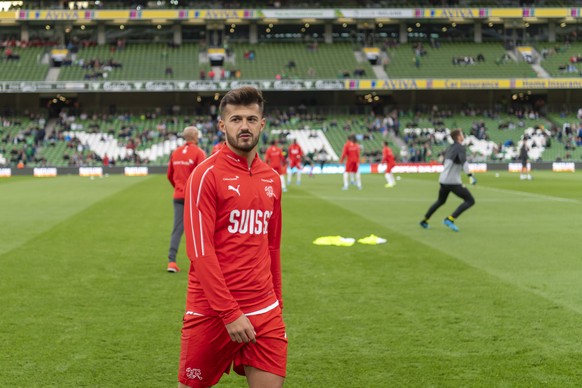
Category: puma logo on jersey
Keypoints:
(249, 221)
(235, 189)
(234, 178)
(267, 180)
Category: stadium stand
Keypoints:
(561, 60)
(134, 62)
(155, 56)
(454, 60)
(21, 138)
(148, 139)
(22, 64)
(311, 141)
(299, 61)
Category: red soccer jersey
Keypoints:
(232, 223)
(274, 157)
(295, 155)
(217, 147)
(182, 162)
(388, 157)
(351, 152)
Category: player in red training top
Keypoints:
(295, 155)
(233, 237)
(388, 159)
(275, 158)
(351, 154)
(217, 147)
(182, 162)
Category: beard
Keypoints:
(242, 144)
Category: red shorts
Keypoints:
(295, 165)
(281, 170)
(208, 352)
(389, 167)
(352, 166)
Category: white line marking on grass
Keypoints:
(531, 198)
(375, 198)
(533, 195)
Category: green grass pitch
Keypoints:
(85, 299)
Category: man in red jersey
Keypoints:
(295, 155)
(182, 162)
(351, 154)
(233, 237)
(217, 147)
(275, 158)
(388, 159)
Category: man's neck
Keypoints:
(249, 156)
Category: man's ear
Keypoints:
(221, 126)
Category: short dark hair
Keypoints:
(455, 134)
(245, 95)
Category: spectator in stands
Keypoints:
(312, 46)
(568, 68)
(359, 72)
(505, 58)
(291, 65)
(182, 162)
(344, 74)
(419, 50)
(10, 55)
(579, 136)
(250, 55)
(169, 71)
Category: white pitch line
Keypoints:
(530, 198)
(533, 195)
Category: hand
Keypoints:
(241, 330)
(473, 180)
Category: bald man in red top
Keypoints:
(182, 162)
(233, 237)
